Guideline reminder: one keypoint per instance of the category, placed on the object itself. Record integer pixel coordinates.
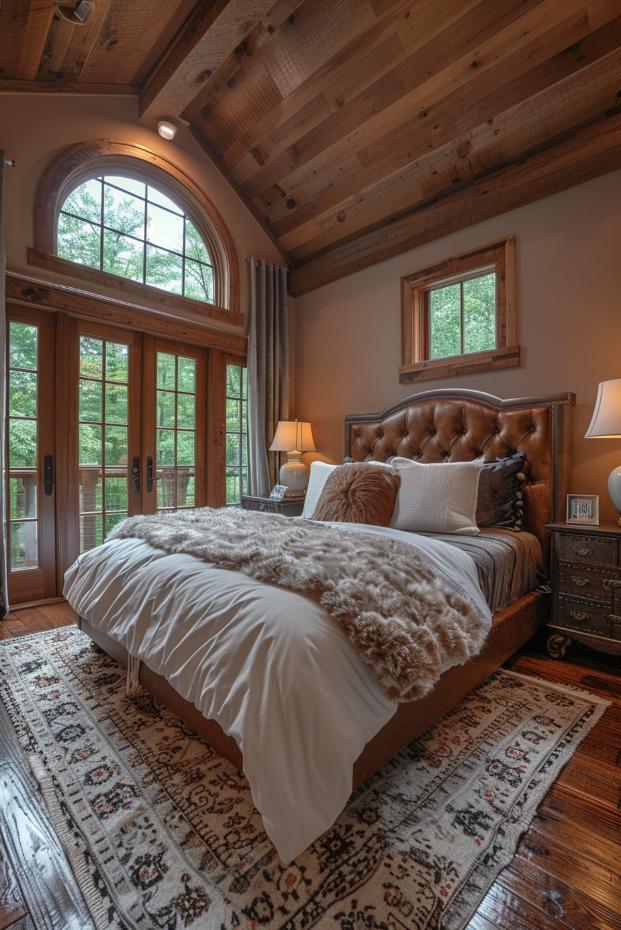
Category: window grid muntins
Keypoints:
(236, 433)
(103, 396)
(23, 403)
(462, 316)
(187, 270)
(175, 432)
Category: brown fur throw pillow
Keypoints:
(360, 493)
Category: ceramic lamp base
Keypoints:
(294, 474)
(614, 488)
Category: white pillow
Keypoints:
(437, 497)
(319, 474)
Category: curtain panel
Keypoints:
(268, 369)
(4, 593)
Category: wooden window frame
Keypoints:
(239, 432)
(80, 162)
(415, 362)
(40, 582)
(72, 312)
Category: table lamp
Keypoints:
(293, 437)
(606, 424)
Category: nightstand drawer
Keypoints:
(576, 614)
(584, 581)
(588, 549)
(288, 507)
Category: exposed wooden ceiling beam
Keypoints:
(215, 157)
(587, 153)
(38, 21)
(205, 42)
(82, 41)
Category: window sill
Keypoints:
(436, 368)
(174, 305)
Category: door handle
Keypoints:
(149, 472)
(48, 475)
(135, 474)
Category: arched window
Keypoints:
(111, 210)
(133, 229)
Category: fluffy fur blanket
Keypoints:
(402, 616)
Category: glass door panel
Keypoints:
(175, 424)
(175, 441)
(30, 497)
(236, 476)
(105, 434)
(23, 445)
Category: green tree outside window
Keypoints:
(131, 229)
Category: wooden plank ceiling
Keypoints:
(353, 129)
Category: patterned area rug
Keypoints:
(161, 832)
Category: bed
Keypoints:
(441, 425)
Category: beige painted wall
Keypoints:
(569, 278)
(35, 127)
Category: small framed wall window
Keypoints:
(460, 315)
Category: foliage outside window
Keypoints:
(236, 433)
(460, 314)
(176, 432)
(103, 438)
(462, 317)
(23, 382)
(125, 227)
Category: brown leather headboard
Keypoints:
(458, 425)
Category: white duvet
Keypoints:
(268, 665)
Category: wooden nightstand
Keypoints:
(289, 508)
(586, 587)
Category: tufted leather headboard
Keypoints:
(448, 425)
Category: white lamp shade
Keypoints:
(606, 420)
(293, 436)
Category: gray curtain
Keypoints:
(268, 369)
(4, 593)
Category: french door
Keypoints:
(30, 477)
(141, 428)
(108, 452)
(174, 426)
(103, 423)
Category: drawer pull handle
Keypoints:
(609, 584)
(580, 582)
(578, 614)
(582, 550)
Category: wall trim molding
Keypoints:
(29, 291)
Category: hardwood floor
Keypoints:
(565, 875)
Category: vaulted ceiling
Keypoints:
(353, 129)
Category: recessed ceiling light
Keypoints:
(78, 15)
(166, 129)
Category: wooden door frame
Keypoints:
(220, 350)
(151, 346)
(69, 330)
(39, 583)
(219, 417)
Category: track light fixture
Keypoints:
(78, 15)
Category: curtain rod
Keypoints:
(10, 162)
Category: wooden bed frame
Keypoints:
(441, 425)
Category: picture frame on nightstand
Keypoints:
(582, 510)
